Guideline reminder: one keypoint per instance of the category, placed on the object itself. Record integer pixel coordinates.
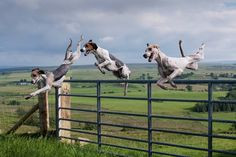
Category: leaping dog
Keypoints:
(56, 77)
(170, 67)
(106, 60)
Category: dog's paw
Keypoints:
(28, 97)
(173, 84)
(162, 86)
(103, 72)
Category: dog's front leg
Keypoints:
(161, 82)
(101, 65)
(46, 88)
(99, 68)
(175, 73)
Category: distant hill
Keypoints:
(219, 65)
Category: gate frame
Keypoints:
(149, 117)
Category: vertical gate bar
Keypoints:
(56, 111)
(149, 95)
(99, 115)
(210, 111)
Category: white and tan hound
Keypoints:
(170, 67)
(106, 60)
(56, 77)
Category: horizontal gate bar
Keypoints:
(78, 121)
(224, 137)
(154, 81)
(180, 132)
(124, 147)
(223, 121)
(79, 95)
(224, 101)
(77, 109)
(124, 138)
(154, 116)
(124, 97)
(179, 118)
(125, 126)
(224, 152)
(178, 100)
(79, 131)
(76, 139)
(180, 146)
(153, 99)
(124, 113)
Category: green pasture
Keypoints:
(9, 91)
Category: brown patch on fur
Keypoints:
(154, 46)
(90, 46)
(36, 72)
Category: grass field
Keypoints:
(10, 91)
(36, 146)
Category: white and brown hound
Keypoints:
(170, 67)
(106, 60)
(56, 77)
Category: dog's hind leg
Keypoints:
(59, 82)
(192, 66)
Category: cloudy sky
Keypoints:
(36, 32)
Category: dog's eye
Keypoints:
(149, 49)
(33, 75)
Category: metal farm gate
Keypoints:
(149, 117)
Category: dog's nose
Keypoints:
(145, 55)
(81, 50)
(32, 82)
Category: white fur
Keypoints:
(105, 62)
(170, 67)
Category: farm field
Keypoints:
(9, 114)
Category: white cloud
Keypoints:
(106, 39)
(28, 27)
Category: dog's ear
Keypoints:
(159, 56)
(35, 69)
(41, 72)
(147, 44)
(90, 40)
(95, 47)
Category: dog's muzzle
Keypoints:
(81, 50)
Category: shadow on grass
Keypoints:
(224, 155)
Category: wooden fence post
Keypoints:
(65, 102)
(43, 110)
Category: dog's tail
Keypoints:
(180, 48)
(68, 50)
